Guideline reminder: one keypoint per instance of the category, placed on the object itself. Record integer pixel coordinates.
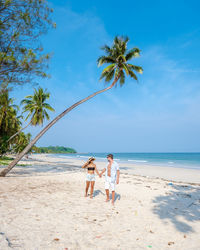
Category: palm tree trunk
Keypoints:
(18, 132)
(30, 145)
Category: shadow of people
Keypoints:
(117, 196)
(97, 192)
(180, 205)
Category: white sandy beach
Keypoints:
(155, 208)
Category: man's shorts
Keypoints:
(109, 185)
(90, 177)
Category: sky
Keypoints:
(160, 112)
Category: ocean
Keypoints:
(179, 160)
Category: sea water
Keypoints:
(180, 160)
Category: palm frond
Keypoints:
(109, 67)
(121, 57)
(109, 76)
(136, 68)
(126, 39)
(122, 78)
(28, 116)
(106, 49)
(116, 40)
(47, 106)
(105, 59)
(135, 52)
(133, 75)
(46, 115)
(125, 68)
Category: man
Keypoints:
(112, 177)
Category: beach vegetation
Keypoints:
(12, 139)
(36, 108)
(4, 160)
(10, 121)
(53, 150)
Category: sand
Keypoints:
(42, 206)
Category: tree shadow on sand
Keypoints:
(180, 205)
(42, 169)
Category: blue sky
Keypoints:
(158, 114)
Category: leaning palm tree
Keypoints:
(36, 108)
(117, 56)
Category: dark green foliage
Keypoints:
(10, 123)
(53, 150)
(22, 22)
(22, 141)
(4, 160)
(117, 56)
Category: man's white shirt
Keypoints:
(114, 168)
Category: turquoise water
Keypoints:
(180, 160)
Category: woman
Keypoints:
(90, 179)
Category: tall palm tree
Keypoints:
(36, 107)
(117, 56)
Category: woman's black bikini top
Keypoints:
(91, 168)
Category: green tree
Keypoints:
(53, 150)
(36, 107)
(117, 56)
(9, 121)
(22, 22)
(22, 142)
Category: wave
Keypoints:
(63, 156)
(81, 156)
(138, 160)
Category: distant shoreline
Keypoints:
(53, 150)
(52, 153)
